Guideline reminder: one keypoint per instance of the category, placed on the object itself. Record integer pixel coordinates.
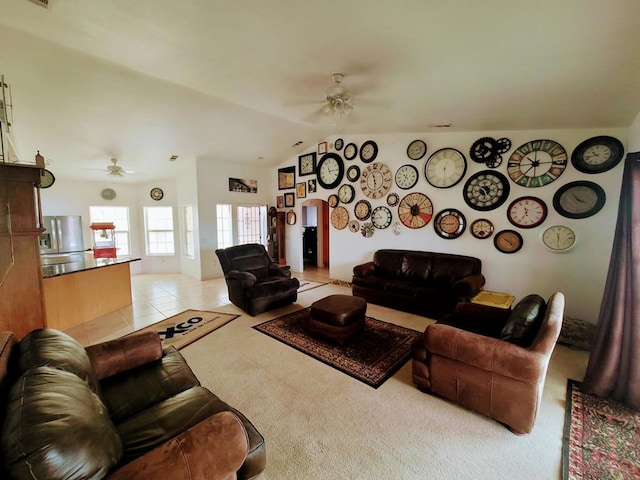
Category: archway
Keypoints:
(315, 233)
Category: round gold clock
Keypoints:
(449, 223)
(339, 217)
(415, 210)
(156, 194)
(508, 241)
(482, 228)
(376, 180)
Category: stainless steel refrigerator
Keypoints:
(62, 239)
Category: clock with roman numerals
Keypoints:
(537, 163)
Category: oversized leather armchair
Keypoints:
(255, 282)
(493, 361)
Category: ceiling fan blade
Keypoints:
(315, 116)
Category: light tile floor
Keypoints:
(156, 297)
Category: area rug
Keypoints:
(372, 356)
(601, 438)
(308, 285)
(188, 326)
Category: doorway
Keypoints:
(315, 234)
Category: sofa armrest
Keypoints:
(280, 270)
(124, 353)
(468, 286)
(245, 279)
(213, 449)
(490, 354)
(364, 269)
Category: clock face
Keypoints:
(376, 180)
(597, 154)
(47, 179)
(415, 210)
(333, 200)
(156, 193)
(396, 228)
(339, 218)
(350, 151)
(291, 217)
(346, 193)
(381, 217)
(527, 212)
(537, 163)
(508, 241)
(486, 190)
(307, 164)
(416, 150)
(393, 199)
(354, 226)
(362, 210)
(406, 177)
(559, 238)
(368, 151)
(449, 223)
(108, 194)
(580, 199)
(482, 228)
(445, 168)
(367, 230)
(330, 171)
(353, 173)
(338, 144)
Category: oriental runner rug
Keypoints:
(188, 326)
(308, 285)
(601, 438)
(372, 356)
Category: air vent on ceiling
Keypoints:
(298, 143)
(440, 125)
(173, 158)
(42, 3)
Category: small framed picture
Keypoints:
(311, 186)
(322, 148)
(301, 190)
(280, 201)
(289, 199)
(286, 178)
(307, 164)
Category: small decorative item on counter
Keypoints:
(104, 241)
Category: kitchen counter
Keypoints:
(84, 289)
(81, 264)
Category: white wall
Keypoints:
(634, 135)
(580, 273)
(187, 195)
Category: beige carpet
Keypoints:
(184, 328)
(321, 424)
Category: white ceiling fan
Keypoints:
(113, 170)
(338, 100)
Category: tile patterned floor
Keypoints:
(156, 297)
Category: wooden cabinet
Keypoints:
(276, 242)
(21, 299)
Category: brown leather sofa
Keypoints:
(493, 361)
(255, 282)
(124, 409)
(424, 283)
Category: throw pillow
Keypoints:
(524, 321)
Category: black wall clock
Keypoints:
(537, 163)
(350, 151)
(156, 193)
(381, 217)
(353, 173)
(527, 212)
(486, 190)
(330, 170)
(338, 144)
(368, 151)
(597, 154)
(406, 177)
(362, 209)
(508, 241)
(416, 150)
(579, 199)
(445, 168)
(449, 223)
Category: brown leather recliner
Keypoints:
(123, 409)
(255, 282)
(491, 360)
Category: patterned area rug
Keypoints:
(372, 356)
(601, 438)
(188, 326)
(308, 285)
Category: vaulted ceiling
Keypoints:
(243, 80)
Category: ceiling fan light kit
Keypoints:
(338, 99)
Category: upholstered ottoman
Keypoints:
(337, 317)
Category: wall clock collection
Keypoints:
(534, 164)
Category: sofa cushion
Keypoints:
(57, 428)
(417, 265)
(524, 321)
(402, 287)
(53, 348)
(272, 287)
(447, 269)
(376, 282)
(388, 262)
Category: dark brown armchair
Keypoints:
(491, 360)
(255, 282)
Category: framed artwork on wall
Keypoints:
(286, 178)
(289, 199)
(280, 201)
(301, 190)
(311, 186)
(322, 148)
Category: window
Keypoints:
(158, 223)
(225, 233)
(120, 218)
(252, 224)
(187, 215)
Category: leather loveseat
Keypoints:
(255, 282)
(491, 360)
(424, 283)
(124, 409)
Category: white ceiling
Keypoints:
(239, 80)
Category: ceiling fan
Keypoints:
(116, 170)
(337, 100)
